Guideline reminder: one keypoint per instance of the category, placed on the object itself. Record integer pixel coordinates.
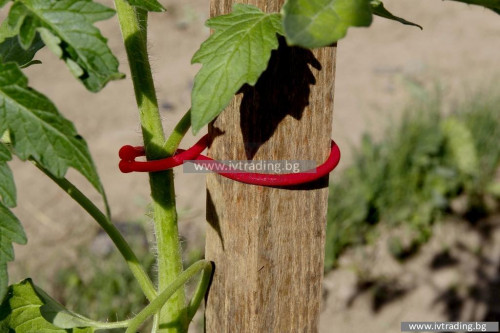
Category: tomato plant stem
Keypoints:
(115, 235)
(133, 23)
(199, 294)
(178, 133)
(158, 302)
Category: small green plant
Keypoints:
(411, 176)
(34, 130)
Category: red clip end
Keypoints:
(125, 166)
(129, 153)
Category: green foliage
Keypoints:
(149, 5)
(7, 186)
(410, 177)
(484, 124)
(38, 131)
(494, 5)
(379, 10)
(66, 27)
(239, 50)
(11, 49)
(320, 23)
(236, 54)
(11, 231)
(460, 145)
(10, 228)
(22, 311)
(99, 285)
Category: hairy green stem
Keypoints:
(133, 23)
(158, 302)
(115, 235)
(156, 325)
(178, 134)
(109, 326)
(99, 325)
(199, 294)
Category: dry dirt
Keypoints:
(376, 69)
(454, 277)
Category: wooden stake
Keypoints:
(268, 244)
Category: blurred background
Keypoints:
(414, 213)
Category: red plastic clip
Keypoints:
(128, 154)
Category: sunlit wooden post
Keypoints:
(267, 243)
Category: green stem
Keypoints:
(133, 24)
(178, 134)
(134, 323)
(199, 294)
(115, 235)
(109, 326)
(156, 324)
(158, 302)
(99, 325)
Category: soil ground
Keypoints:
(376, 70)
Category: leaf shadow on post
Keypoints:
(283, 89)
(213, 218)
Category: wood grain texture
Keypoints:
(268, 243)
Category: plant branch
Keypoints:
(133, 23)
(155, 326)
(158, 302)
(199, 293)
(99, 325)
(115, 235)
(178, 134)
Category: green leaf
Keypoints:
(149, 5)
(27, 32)
(66, 26)
(10, 228)
(7, 186)
(494, 5)
(318, 23)
(4, 282)
(379, 10)
(5, 155)
(11, 49)
(58, 315)
(61, 317)
(37, 130)
(23, 307)
(10, 231)
(52, 42)
(236, 54)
